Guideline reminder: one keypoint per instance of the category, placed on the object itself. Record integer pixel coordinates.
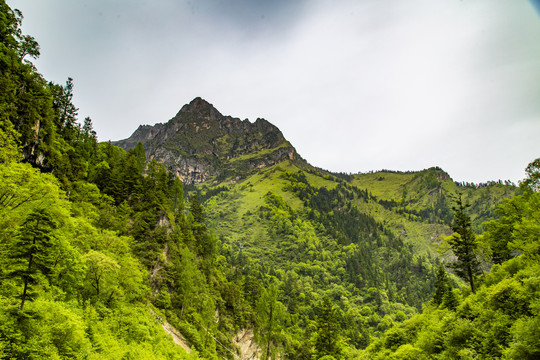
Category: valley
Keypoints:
(210, 237)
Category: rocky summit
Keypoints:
(200, 143)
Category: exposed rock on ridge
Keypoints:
(200, 143)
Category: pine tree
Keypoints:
(463, 244)
(205, 242)
(442, 285)
(66, 112)
(328, 338)
(32, 250)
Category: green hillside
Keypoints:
(415, 206)
(362, 234)
(501, 319)
(419, 204)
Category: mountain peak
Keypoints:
(199, 143)
(198, 104)
(198, 109)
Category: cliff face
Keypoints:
(200, 143)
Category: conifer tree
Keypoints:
(66, 112)
(328, 338)
(205, 242)
(463, 244)
(32, 250)
(177, 197)
(442, 285)
(88, 143)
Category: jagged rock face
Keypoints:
(200, 143)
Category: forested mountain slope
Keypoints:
(501, 318)
(105, 251)
(426, 195)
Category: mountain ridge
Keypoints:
(201, 150)
(203, 147)
(200, 143)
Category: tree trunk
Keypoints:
(24, 292)
(23, 298)
(269, 333)
(471, 279)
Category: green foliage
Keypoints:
(500, 233)
(99, 248)
(70, 267)
(532, 182)
(525, 342)
(328, 340)
(321, 246)
(270, 316)
(9, 147)
(444, 295)
(464, 245)
(500, 320)
(32, 250)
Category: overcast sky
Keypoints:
(354, 85)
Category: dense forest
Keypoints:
(105, 254)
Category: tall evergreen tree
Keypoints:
(328, 338)
(464, 245)
(205, 242)
(177, 197)
(443, 290)
(66, 112)
(32, 250)
(195, 209)
(442, 285)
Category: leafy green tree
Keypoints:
(463, 244)
(525, 340)
(532, 182)
(270, 317)
(102, 273)
(9, 147)
(499, 233)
